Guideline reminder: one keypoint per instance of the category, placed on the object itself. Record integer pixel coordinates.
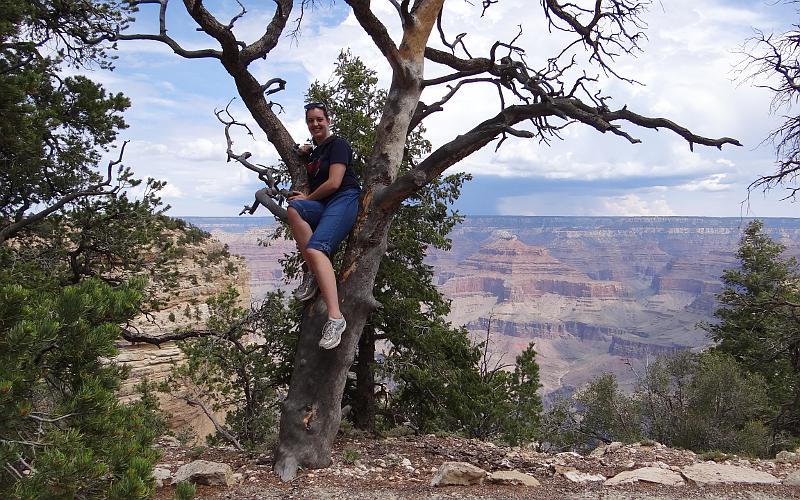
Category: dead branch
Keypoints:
(21, 221)
(162, 35)
(599, 118)
(271, 196)
(219, 428)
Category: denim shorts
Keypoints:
(331, 220)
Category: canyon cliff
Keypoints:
(595, 294)
(204, 270)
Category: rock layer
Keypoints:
(205, 270)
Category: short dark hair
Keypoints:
(317, 105)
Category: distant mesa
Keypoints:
(514, 271)
(595, 294)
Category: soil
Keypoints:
(402, 468)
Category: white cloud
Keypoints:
(711, 183)
(633, 205)
(203, 149)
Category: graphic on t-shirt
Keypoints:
(313, 168)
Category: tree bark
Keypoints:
(311, 412)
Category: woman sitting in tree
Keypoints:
(322, 219)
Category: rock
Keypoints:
(160, 474)
(405, 462)
(458, 473)
(512, 477)
(170, 441)
(205, 472)
(598, 452)
(561, 469)
(648, 475)
(792, 479)
(711, 473)
(583, 477)
(237, 477)
(787, 457)
(605, 449)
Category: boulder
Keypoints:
(711, 473)
(792, 479)
(512, 477)
(787, 457)
(161, 474)
(205, 472)
(656, 475)
(598, 452)
(583, 477)
(605, 449)
(458, 473)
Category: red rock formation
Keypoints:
(513, 271)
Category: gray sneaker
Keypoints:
(308, 287)
(332, 333)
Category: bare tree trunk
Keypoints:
(364, 403)
(311, 412)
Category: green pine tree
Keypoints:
(757, 322)
(74, 261)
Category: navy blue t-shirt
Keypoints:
(333, 150)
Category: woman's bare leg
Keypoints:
(318, 263)
(326, 279)
(301, 231)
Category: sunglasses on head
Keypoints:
(315, 105)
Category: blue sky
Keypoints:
(688, 68)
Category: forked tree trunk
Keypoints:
(312, 409)
(311, 412)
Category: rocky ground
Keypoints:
(449, 467)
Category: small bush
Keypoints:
(185, 491)
(350, 455)
(715, 456)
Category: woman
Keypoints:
(322, 219)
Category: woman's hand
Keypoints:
(297, 196)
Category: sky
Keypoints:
(687, 69)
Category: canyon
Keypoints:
(594, 294)
(204, 270)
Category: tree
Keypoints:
(440, 381)
(75, 254)
(773, 61)
(239, 368)
(404, 283)
(703, 402)
(547, 99)
(758, 322)
(54, 129)
(63, 434)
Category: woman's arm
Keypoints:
(335, 175)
